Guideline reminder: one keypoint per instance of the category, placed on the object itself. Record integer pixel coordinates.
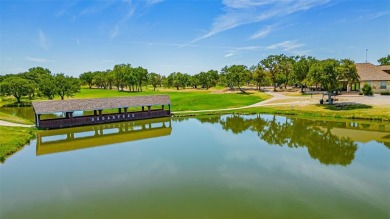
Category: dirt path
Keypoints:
(5, 123)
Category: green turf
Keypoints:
(185, 99)
(13, 139)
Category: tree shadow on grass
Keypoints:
(346, 106)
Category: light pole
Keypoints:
(366, 54)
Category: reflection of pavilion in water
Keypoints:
(60, 140)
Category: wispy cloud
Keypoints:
(285, 46)
(239, 50)
(43, 41)
(262, 33)
(152, 2)
(39, 60)
(78, 41)
(375, 15)
(131, 8)
(240, 12)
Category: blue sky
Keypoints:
(189, 36)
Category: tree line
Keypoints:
(39, 82)
(278, 71)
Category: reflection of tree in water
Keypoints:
(316, 136)
(235, 123)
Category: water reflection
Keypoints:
(60, 140)
(331, 143)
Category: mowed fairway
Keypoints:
(188, 99)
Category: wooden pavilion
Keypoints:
(97, 105)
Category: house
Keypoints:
(385, 68)
(376, 76)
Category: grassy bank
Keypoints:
(12, 139)
(312, 111)
(188, 99)
(15, 119)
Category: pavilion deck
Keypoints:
(68, 107)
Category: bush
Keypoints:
(385, 93)
(367, 90)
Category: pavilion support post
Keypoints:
(37, 120)
(162, 107)
(100, 115)
(143, 108)
(95, 113)
(125, 109)
(169, 109)
(149, 109)
(119, 110)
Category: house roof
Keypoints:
(54, 106)
(370, 72)
(385, 68)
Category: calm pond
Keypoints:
(258, 166)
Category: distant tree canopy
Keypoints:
(384, 60)
(36, 81)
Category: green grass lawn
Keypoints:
(13, 139)
(15, 119)
(187, 99)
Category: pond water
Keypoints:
(259, 166)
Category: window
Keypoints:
(383, 84)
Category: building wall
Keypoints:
(376, 86)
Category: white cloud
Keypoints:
(43, 41)
(286, 46)
(375, 15)
(39, 60)
(262, 33)
(240, 12)
(152, 2)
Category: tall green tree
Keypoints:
(141, 75)
(122, 73)
(301, 69)
(327, 73)
(348, 72)
(47, 87)
(271, 64)
(384, 60)
(66, 86)
(154, 80)
(208, 79)
(87, 78)
(259, 76)
(236, 75)
(16, 86)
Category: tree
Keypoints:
(348, 72)
(34, 76)
(259, 76)
(141, 75)
(87, 78)
(271, 64)
(154, 80)
(236, 75)
(110, 78)
(47, 87)
(301, 70)
(66, 86)
(328, 75)
(16, 86)
(384, 60)
(208, 79)
(285, 69)
(121, 73)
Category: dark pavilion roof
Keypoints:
(54, 106)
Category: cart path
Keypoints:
(269, 102)
(5, 123)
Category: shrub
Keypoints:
(367, 90)
(385, 93)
